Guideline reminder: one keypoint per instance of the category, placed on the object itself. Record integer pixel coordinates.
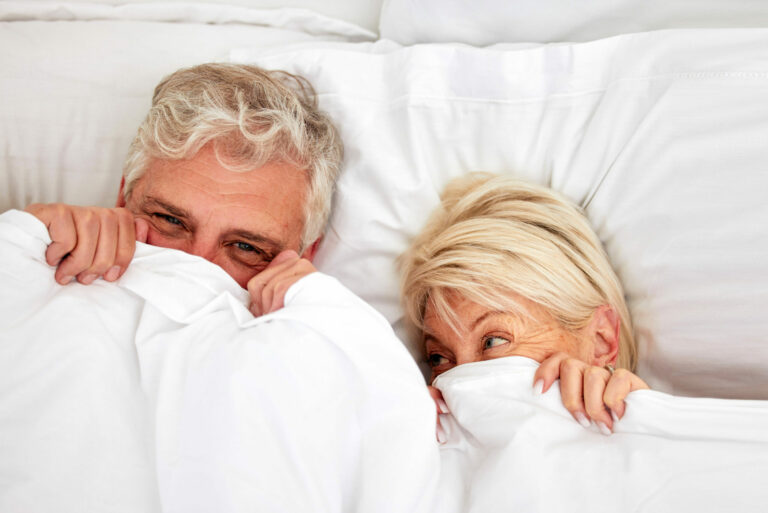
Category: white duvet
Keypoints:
(162, 393)
(510, 449)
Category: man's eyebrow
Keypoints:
(258, 238)
(178, 212)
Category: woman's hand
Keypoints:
(89, 242)
(588, 392)
(441, 407)
(268, 288)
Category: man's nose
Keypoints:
(204, 249)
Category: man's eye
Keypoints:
(244, 246)
(435, 360)
(168, 219)
(491, 342)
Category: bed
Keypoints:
(652, 117)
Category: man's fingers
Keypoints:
(63, 233)
(622, 382)
(125, 246)
(595, 379)
(141, 228)
(106, 247)
(548, 371)
(268, 288)
(81, 257)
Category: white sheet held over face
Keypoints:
(162, 392)
(511, 449)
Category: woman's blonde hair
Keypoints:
(494, 237)
(252, 117)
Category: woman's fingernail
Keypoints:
(538, 387)
(614, 416)
(64, 280)
(442, 406)
(441, 438)
(582, 419)
(113, 273)
(603, 428)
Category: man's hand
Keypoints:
(588, 392)
(268, 288)
(89, 242)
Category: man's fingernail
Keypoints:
(582, 419)
(88, 279)
(603, 428)
(441, 438)
(113, 273)
(538, 387)
(442, 406)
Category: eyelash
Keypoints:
(491, 337)
(168, 219)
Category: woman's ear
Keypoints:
(604, 329)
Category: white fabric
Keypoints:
(74, 93)
(510, 449)
(162, 392)
(303, 20)
(364, 13)
(487, 22)
(660, 136)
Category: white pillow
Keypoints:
(661, 136)
(485, 22)
(364, 13)
(74, 92)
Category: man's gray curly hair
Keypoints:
(252, 117)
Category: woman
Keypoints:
(505, 268)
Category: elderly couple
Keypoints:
(237, 165)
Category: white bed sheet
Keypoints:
(511, 449)
(162, 392)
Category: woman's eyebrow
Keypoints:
(483, 317)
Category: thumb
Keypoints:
(142, 229)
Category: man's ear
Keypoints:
(604, 328)
(309, 253)
(121, 194)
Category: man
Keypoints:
(233, 163)
(160, 392)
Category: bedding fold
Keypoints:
(160, 392)
(512, 449)
(303, 20)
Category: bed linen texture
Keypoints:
(161, 392)
(511, 449)
(660, 137)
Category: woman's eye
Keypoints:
(491, 342)
(435, 360)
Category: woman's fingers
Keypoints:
(441, 407)
(621, 383)
(595, 380)
(548, 372)
(572, 388)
